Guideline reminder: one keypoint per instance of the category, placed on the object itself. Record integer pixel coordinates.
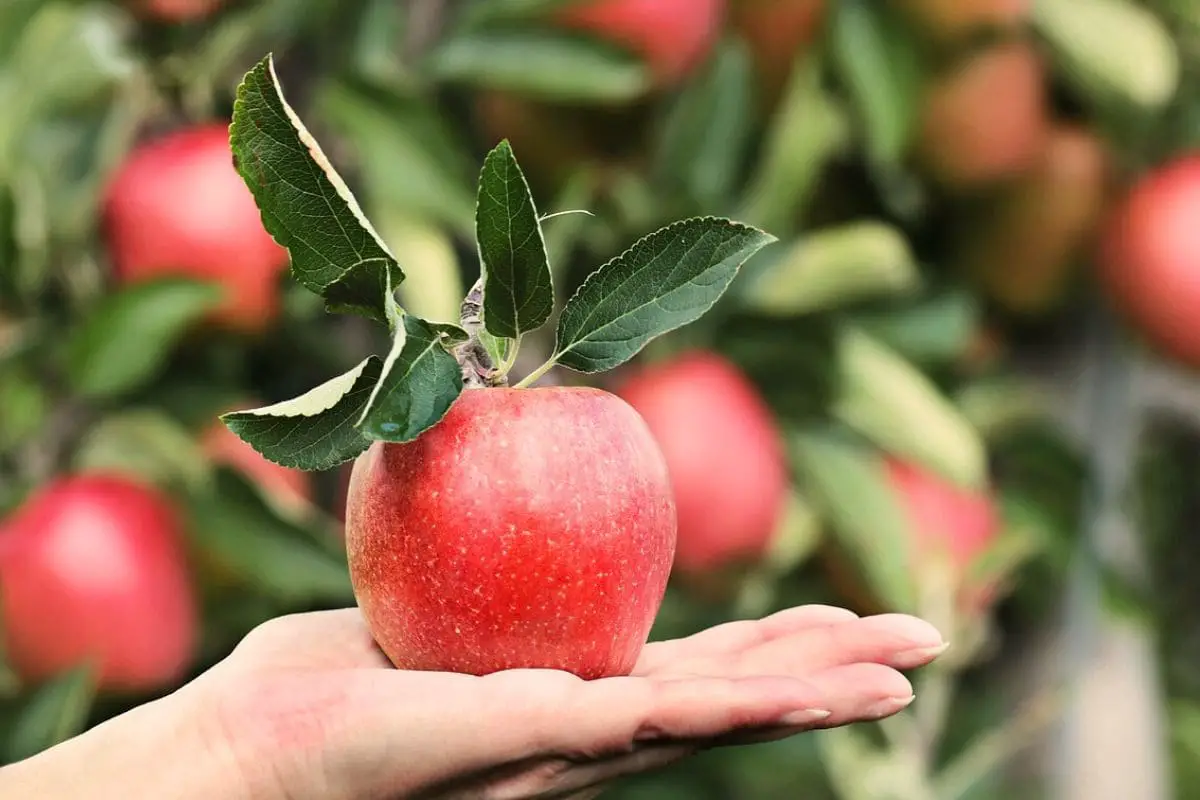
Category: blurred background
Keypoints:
(962, 379)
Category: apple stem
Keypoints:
(477, 368)
(510, 357)
(532, 377)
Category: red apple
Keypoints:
(93, 568)
(776, 33)
(953, 525)
(724, 455)
(956, 20)
(177, 10)
(1150, 257)
(528, 528)
(290, 488)
(673, 36)
(178, 207)
(1024, 247)
(986, 119)
(951, 528)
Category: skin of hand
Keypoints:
(308, 708)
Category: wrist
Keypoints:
(155, 750)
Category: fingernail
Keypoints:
(885, 708)
(919, 655)
(806, 717)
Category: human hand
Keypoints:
(310, 708)
(307, 707)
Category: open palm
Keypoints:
(313, 709)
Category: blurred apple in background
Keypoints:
(951, 529)
(673, 36)
(952, 526)
(986, 118)
(177, 10)
(1150, 257)
(724, 455)
(955, 20)
(777, 32)
(93, 568)
(178, 207)
(1024, 247)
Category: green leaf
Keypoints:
(938, 329)
(509, 11)
(25, 403)
(807, 131)
(664, 281)
(408, 158)
(895, 405)
(541, 63)
(848, 482)
(420, 381)
(305, 204)
(705, 138)
(55, 712)
(880, 62)
(143, 442)
(1113, 50)
(833, 267)
(65, 56)
(314, 431)
(518, 293)
(14, 17)
(127, 340)
(237, 529)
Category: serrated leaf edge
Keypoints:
(342, 383)
(318, 156)
(505, 148)
(769, 238)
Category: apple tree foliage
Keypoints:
(482, 199)
(665, 280)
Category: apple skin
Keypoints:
(952, 21)
(529, 528)
(673, 36)
(1024, 248)
(948, 520)
(177, 11)
(94, 566)
(724, 454)
(776, 32)
(178, 207)
(290, 488)
(950, 525)
(1149, 260)
(986, 120)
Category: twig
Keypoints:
(993, 749)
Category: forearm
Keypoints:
(153, 751)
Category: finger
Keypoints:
(739, 635)
(317, 640)
(854, 693)
(574, 780)
(608, 717)
(896, 640)
(404, 731)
